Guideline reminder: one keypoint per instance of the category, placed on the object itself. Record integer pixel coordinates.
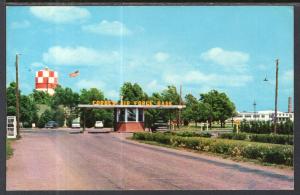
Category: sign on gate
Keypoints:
(11, 127)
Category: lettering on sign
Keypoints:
(125, 102)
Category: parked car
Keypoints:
(99, 124)
(51, 124)
(75, 124)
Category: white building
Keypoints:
(266, 115)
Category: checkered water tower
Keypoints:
(46, 80)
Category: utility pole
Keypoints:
(17, 97)
(180, 103)
(276, 97)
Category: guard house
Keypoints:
(130, 118)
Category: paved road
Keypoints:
(58, 160)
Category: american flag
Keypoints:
(74, 74)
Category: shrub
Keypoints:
(265, 127)
(236, 136)
(272, 138)
(264, 138)
(271, 153)
(190, 134)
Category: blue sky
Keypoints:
(231, 49)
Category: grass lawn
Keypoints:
(9, 150)
(194, 128)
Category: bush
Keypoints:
(236, 136)
(265, 138)
(272, 138)
(270, 153)
(190, 134)
(265, 127)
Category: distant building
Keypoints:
(267, 115)
(46, 80)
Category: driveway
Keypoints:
(60, 160)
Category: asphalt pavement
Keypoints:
(61, 160)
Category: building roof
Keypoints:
(262, 112)
(95, 106)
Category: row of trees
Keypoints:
(211, 106)
(267, 127)
(39, 107)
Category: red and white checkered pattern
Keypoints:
(46, 80)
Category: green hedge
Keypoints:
(189, 133)
(265, 138)
(265, 127)
(270, 153)
(235, 136)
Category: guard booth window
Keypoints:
(122, 115)
(131, 114)
(141, 114)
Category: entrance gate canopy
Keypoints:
(130, 118)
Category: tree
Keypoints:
(45, 117)
(65, 97)
(152, 115)
(91, 116)
(68, 99)
(87, 96)
(59, 116)
(171, 94)
(195, 110)
(41, 97)
(219, 106)
(28, 109)
(190, 113)
(132, 92)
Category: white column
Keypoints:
(143, 115)
(136, 115)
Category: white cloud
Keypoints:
(161, 56)
(112, 94)
(59, 14)
(37, 64)
(154, 86)
(262, 67)
(216, 80)
(79, 56)
(114, 28)
(82, 83)
(20, 24)
(288, 77)
(230, 59)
